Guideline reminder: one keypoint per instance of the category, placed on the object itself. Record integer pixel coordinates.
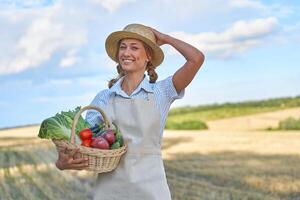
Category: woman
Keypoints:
(139, 108)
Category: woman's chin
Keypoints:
(129, 67)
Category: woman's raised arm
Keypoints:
(194, 59)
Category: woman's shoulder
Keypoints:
(163, 82)
(102, 97)
(166, 87)
(163, 85)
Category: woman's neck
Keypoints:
(131, 82)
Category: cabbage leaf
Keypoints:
(59, 126)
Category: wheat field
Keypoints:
(221, 163)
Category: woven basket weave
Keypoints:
(99, 160)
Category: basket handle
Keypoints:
(77, 116)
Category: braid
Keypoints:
(121, 73)
(151, 73)
(150, 68)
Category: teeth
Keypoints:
(127, 61)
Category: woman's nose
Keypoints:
(126, 52)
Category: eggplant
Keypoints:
(97, 128)
(99, 133)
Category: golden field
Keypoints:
(235, 159)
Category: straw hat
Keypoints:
(134, 31)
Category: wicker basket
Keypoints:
(98, 160)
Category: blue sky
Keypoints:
(52, 54)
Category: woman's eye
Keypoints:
(135, 48)
(122, 47)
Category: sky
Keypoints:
(52, 54)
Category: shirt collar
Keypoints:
(145, 85)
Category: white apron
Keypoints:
(140, 174)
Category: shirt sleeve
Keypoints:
(93, 117)
(168, 88)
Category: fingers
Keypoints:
(80, 160)
(78, 164)
(62, 150)
(73, 152)
(69, 162)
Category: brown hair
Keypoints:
(150, 68)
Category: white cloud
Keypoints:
(112, 6)
(278, 10)
(240, 37)
(109, 64)
(102, 61)
(86, 83)
(290, 34)
(69, 100)
(251, 29)
(93, 82)
(57, 30)
(70, 58)
(12, 4)
(12, 85)
(42, 39)
(60, 82)
(247, 4)
(68, 61)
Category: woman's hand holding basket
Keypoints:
(91, 155)
(68, 161)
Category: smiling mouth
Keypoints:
(127, 61)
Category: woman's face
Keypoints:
(132, 55)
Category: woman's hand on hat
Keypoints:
(160, 37)
(67, 161)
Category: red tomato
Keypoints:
(85, 134)
(86, 143)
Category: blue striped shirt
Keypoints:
(164, 95)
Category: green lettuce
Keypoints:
(59, 126)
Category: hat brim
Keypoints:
(111, 46)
